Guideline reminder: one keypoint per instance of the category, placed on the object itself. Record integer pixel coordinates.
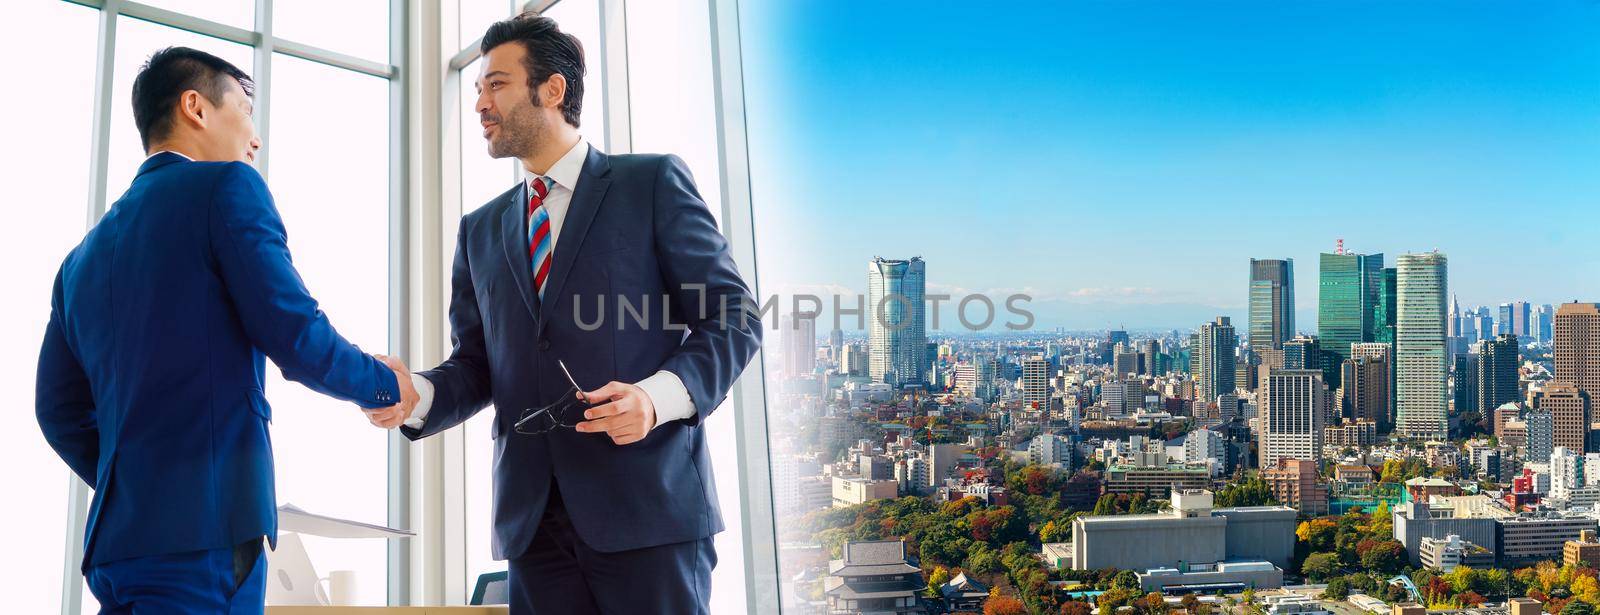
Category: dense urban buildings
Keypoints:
(1107, 444)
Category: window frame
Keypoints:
(263, 46)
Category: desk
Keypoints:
(388, 610)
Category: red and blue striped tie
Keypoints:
(539, 240)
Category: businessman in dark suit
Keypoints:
(150, 376)
(612, 508)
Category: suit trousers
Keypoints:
(226, 581)
(560, 575)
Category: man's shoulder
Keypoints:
(200, 180)
(647, 165)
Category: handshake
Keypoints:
(396, 415)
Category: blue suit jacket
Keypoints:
(636, 230)
(150, 378)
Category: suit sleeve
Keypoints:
(726, 333)
(279, 315)
(461, 383)
(63, 401)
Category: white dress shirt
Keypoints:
(168, 151)
(665, 389)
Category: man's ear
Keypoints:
(192, 108)
(553, 90)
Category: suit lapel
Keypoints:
(514, 235)
(586, 197)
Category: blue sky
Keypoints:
(1123, 161)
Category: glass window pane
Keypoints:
(476, 15)
(355, 27)
(581, 18)
(482, 179)
(672, 107)
(329, 173)
(237, 13)
(54, 194)
(137, 40)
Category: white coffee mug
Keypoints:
(340, 590)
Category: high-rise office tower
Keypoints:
(1485, 324)
(1124, 360)
(1036, 384)
(1215, 359)
(1347, 300)
(1271, 302)
(1385, 351)
(1302, 352)
(1521, 311)
(1497, 372)
(1384, 312)
(853, 360)
(1420, 396)
(799, 341)
(1150, 357)
(1543, 319)
(1568, 408)
(1541, 435)
(1464, 382)
(898, 335)
(1575, 341)
(1452, 321)
(1502, 322)
(835, 343)
(1292, 415)
(1365, 392)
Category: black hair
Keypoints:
(167, 75)
(549, 51)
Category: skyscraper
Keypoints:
(1520, 313)
(1347, 301)
(1271, 302)
(1292, 417)
(1421, 284)
(1036, 384)
(1385, 351)
(1464, 382)
(1568, 408)
(898, 336)
(1215, 359)
(1365, 391)
(1541, 325)
(1497, 372)
(1575, 338)
(1384, 312)
(799, 345)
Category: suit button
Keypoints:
(544, 344)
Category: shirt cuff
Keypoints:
(669, 396)
(424, 389)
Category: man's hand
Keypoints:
(396, 415)
(627, 415)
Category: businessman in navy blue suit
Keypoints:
(150, 376)
(612, 508)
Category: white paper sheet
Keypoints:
(292, 518)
